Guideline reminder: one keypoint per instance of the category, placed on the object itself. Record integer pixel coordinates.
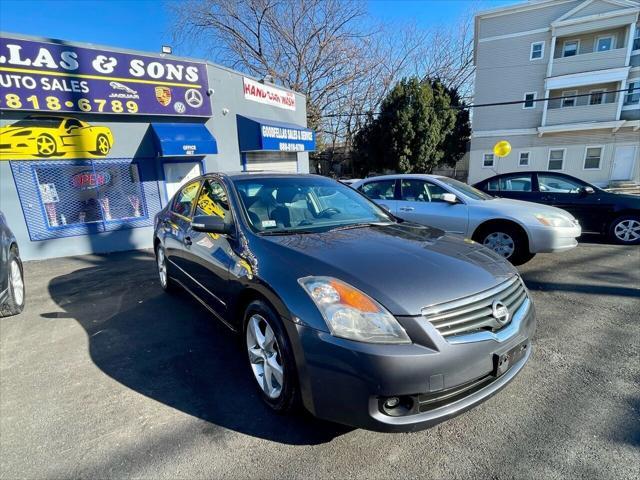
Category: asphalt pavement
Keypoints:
(106, 376)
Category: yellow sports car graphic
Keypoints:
(39, 136)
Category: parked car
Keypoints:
(613, 214)
(364, 319)
(12, 292)
(515, 230)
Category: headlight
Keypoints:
(351, 314)
(551, 220)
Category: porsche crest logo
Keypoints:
(163, 95)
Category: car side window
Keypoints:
(184, 200)
(213, 200)
(415, 191)
(492, 185)
(379, 190)
(516, 183)
(435, 192)
(71, 123)
(557, 184)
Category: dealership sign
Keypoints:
(287, 139)
(56, 77)
(261, 93)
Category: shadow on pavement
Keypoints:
(170, 349)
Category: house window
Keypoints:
(556, 159)
(636, 39)
(604, 44)
(537, 51)
(569, 98)
(597, 97)
(592, 158)
(529, 100)
(570, 48)
(488, 160)
(523, 161)
(632, 95)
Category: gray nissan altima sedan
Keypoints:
(361, 318)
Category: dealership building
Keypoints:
(94, 141)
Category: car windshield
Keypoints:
(38, 122)
(280, 205)
(467, 190)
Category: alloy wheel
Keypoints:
(627, 230)
(17, 282)
(162, 267)
(45, 145)
(264, 356)
(103, 145)
(501, 243)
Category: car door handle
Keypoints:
(187, 241)
(406, 209)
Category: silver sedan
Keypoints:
(516, 230)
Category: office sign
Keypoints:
(56, 77)
(268, 95)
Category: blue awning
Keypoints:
(255, 134)
(179, 139)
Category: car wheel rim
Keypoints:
(501, 243)
(17, 283)
(627, 230)
(103, 145)
(264, 356)
(46, 146)
(162, 267)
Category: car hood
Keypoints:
(405, 267)
(520, 209)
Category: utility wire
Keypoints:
(498, 104)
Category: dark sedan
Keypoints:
(11, 279)
(613, 214)
(359, 317)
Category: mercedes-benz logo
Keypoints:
(193, 98)
(500, 312)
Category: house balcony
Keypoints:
(589, 62)
(583, 106)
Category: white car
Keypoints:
(514, 229)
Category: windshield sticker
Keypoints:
(268, 223)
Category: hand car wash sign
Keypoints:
(55, 77)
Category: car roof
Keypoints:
(261, 175)
(394, 176)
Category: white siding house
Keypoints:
(575, 65)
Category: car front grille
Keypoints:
(475, 313)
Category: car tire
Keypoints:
(625, 230)
(46, 145)
(14, 303)
(162, 265)
(102, 145)
(507, 241)
(274, 351)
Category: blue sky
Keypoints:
(145, 25)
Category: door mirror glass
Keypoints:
(210, 224)
(449, 198)
(588, 190)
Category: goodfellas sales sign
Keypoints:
(55, 77)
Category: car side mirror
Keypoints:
(449, 198)
(210, 224)
(588, 190)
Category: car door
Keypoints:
(175, 226)
(383, 192)
(569, 194)
(421, 201)
(518, 186)
(209, 257)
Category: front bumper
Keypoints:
(553, 239)
(348, 382)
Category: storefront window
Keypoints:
(62, 198)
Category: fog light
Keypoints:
(392, 402)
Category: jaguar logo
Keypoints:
(500, 312)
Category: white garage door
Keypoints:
(272, 161)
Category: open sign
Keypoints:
(90, 179)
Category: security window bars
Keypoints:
(592, 158)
